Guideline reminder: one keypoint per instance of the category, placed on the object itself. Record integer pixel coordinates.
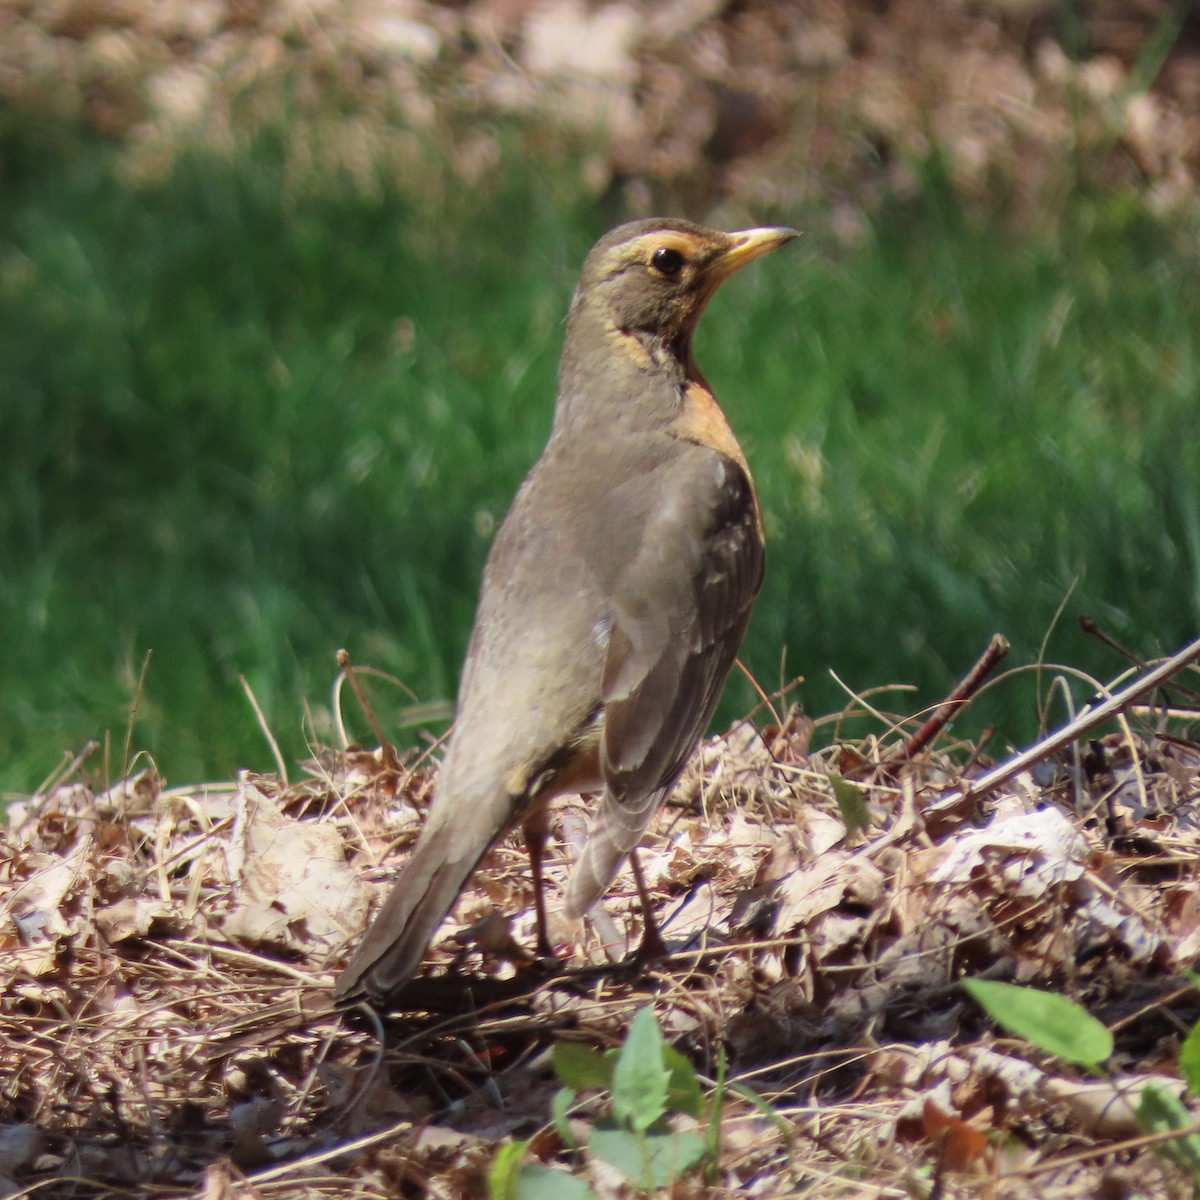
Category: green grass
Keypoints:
(245, 427)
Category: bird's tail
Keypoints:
(393, 946)
(617, 829)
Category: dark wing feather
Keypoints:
(651, 731)
(660, 692)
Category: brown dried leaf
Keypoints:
(834, 878)
(292, 885)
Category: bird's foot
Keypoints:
(652, 948)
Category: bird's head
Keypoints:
(656, 276)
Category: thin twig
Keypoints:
(1142, 1142)
(280, 765)
(976, 750)
(1044, 710)
(860, 698)
(1091, 627)
(133, 712)
(390, 758)
(1146, 711)
(1087, 720)
(310, 1160)
(63, 772)
(763, 698)
(954, 704)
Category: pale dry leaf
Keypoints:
(218, 1184)
(825, 884)
(443, 1140)
(822, 831)
(833, 931)
(1029, 852)
(1109, 1109)
(36, 904)
(699, 910)
(134, 916)
(28, 962)
(388, 34)
(292, 884)
(1185, 926)
(1127, 930)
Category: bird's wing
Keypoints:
(673, 639)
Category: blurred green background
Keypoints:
(246, 424)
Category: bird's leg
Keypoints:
(653, 947)
(535, 843)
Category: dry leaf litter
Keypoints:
(165, 1027)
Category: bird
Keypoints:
(614, 598)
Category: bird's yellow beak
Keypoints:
(748, 245)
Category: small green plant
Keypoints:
(1051, 1022)
(649, 1082)
(1161, 1111)
(1061, 1027)
(852, 804)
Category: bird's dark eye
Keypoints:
(667, 261)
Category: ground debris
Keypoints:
(166, 957)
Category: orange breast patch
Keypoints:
(702, 421)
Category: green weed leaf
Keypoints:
(580, 1067)
(536, 1182)
(653, 1159)
(506, 1166)
(620, 1148)
(716, 1114)
(559, 1107)
(1160, 1111)
(782, 1126)
(640, 1078)
(851, 804)
(1050, 1021)
(1189, 1060)
(683, 1088)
